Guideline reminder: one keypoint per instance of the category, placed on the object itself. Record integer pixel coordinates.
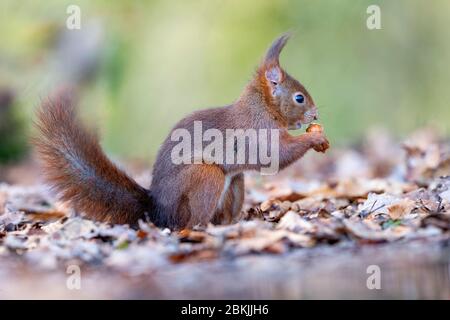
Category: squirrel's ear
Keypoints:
(274, 75)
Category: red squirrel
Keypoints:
(180, 195)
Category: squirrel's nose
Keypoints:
(314, 112)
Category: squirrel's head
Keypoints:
(285, 96)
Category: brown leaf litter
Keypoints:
(381, 192)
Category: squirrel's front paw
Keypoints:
(319, 142)
(323, 146)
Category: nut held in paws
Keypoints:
(314, 127)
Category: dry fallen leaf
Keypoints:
(401, 208)
(365, 230)
(293, 222)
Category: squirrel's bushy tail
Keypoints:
(79, 171)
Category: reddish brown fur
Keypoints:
(180, 195)
(79, 171)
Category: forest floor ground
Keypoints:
(370, 221)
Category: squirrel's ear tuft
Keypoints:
(270, 67)
(273, 54)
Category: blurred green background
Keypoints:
(142, 65)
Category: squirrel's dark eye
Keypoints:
(299, 98)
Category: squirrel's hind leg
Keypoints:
(232, 198)
(204, 185)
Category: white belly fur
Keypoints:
(226, 186)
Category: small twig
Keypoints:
(366, 213)
(439, 209)
(424, 206)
